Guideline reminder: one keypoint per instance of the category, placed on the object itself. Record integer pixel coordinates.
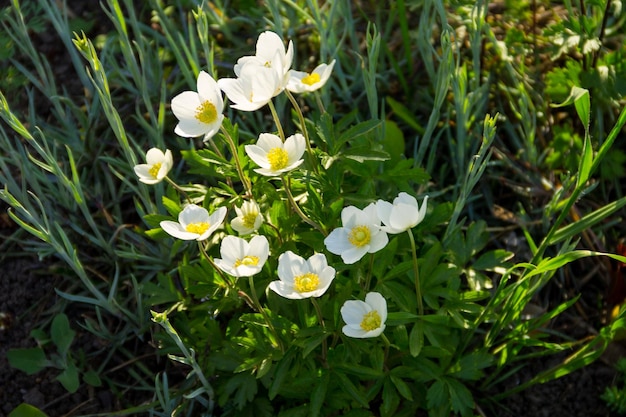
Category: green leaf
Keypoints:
(61, 333)
(416, 339)
(402, 387)
(69, 378)
(29, 360)
(27, 410)
(405, 114)
(319, 394)
(365, 153)
(357, 130)
(92, 378)
(351, 389)
(172, 207)
(283, 368)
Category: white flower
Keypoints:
(359, 235)
(157, 165)
(241, 258)
(402, 215)
(199, 113)
(253, 89)
(270, 53)
(248, 219)
(275, 157)
(301, 82)
(300, 278)
(194, 223)
(364, 318)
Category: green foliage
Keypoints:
(393, 118)
(614, 395)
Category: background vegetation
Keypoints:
(507, 114)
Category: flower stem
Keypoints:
(318, 311)
(305, 131)
(418, 290)
(286, 183)
(233, 149)
(368, 278)
(177, 188)
(279, 126)
(261, 310)
(230, 285)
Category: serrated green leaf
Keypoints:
(318, 395)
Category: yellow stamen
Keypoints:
(247, 261)
(278, 158)
(311, 79)
(249, 219)
(206, 112)
(198, 228)
(371, 321)
(360, 236)
(306, 282)
(154, 169)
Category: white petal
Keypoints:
(190, 128)
(371, 215)
(350, 216)
(337, 241)
(383, 209)
(258, 155)
(352, 311)
(268, 141)
(233, 248)
(193, 214)
(268, 43)
(403, 216)
(290, 265)
(260, 247)
(208, 90)
(378, 241)
(353, 254)
(175, 229)
(295, 146)
(185, 105)
(353, 331)
(317, 263)
(377, 302)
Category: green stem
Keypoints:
(305, 131)
(320, 318)
(368, 278)
(229, 284)
(319, 102)
(177, 188)
(233, 149)
(418, 290)
(292, 201)
(261, 310)
(279, 126)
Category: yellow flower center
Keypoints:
(206, 112)
(360, 236)
(154, 169)
(249, 220)
(311, 79)
(371, 321)
(198, 228)
(306, 282)
(278, 158)
(247, 261)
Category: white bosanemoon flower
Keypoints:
(252, 89)
(199, 113)
(241, 258)
(364, 318)
(402, 215)
(300, 278)
(249, 218)
(194, 223)
(359, 235)
(275, 157)
(302, 82)
(157, 165)
(270, 53)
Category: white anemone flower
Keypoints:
(194, 223)
(365, 318)
(402, 215)
(275, 157)
(157, 165)
(199, 113)
(359, 235)
(249, 218)
(252, 89)
(300, 278)
(270, 53)
(304, 82)
(241, 258)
